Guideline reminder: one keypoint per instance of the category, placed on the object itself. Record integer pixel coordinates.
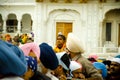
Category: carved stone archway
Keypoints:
(61, 15)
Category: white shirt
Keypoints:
(51, 76)
(12, 78)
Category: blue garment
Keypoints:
(32, 63)
(48, 56)
(12, 59)
(118, 56)
(101, 66)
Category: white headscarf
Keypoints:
(73, 43)
(59, 56)
(75, 65)
(116, 60)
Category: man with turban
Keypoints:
(101, 68)
(62, 71)
(31, 49)
(12, 60)
(48, 60)
(75, 48)
(48, 56)
(32, 73)
(114, 69)
(76, 70)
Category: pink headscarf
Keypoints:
(26, 48)
(93, 56)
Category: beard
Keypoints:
(114, 72)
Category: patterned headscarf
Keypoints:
(31, 62)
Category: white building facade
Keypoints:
(95, 22)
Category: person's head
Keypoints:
(76, 69)
(1, 37)
(31, 49)
(48, 57)
(8, 38)
(93, 56)
(101, 68)
(117, 56)
(58, 71)
(107, 63)
(92, 60)
(16, 40)
(12, 60)
(42, 68)
(24, 38)
(73, 45)
(30, 38)
(115, 67)
(32, 67)
(61, 39)
(64, 63)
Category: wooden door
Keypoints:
(63, 27)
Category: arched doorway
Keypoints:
(11, 23)
(62, 20)
(26, 23)
(111, 28)
(1, 24)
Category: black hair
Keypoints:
(62, 36)
(66, 60)
(107, 62)
(92, 59)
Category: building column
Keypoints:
(19, 25)
(4, 25)
(100, 34)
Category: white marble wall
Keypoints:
(86, 18)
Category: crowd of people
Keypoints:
(23, 59)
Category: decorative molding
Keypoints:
(83, 1)
(39, 0)
(102, 1)
(117, 0)
(68, 1)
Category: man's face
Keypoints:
(114, 68)
(60, 41)
(28, 74)
(78, 74)
(58, 70)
